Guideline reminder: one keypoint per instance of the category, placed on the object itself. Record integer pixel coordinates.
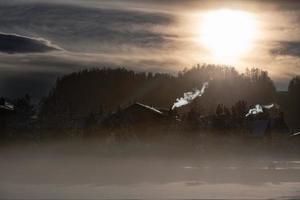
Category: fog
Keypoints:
(99, 169)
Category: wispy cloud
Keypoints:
(87, 29)
(12, 43)
(287, 49)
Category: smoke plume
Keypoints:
(258, 109)
(188, 97)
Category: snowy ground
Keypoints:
(49, 173)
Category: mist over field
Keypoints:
(176, 169)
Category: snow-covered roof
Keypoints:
(150, 108)
(295, 134)
(7, 106)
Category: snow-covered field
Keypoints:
(49, 173)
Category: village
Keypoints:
(143, 121)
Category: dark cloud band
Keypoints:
(287, 49)
(11, 43)
(85, 29)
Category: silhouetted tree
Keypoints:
(293, 105)
(239, 111)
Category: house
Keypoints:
(270, 123)
(295, 139)
(139, 115)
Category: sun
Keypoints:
(228, 34)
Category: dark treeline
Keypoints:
(290, 102)
(104, 90)
(81, 98)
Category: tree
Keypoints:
(293, 105)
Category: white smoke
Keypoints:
(258, 109)
(9, 106)
(295, 134)
(188, 97)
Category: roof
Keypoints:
(295, 134)
(149, 108)
(7, 106)
(135, 114)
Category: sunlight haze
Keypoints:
(228, 34)
(148, 36)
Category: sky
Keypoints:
(42, 39)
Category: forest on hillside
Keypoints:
(105, 89)
(101, 92)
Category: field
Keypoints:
(93, 169)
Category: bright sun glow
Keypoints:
(228, 34)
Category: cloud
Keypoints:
(91, 36)
(141, 35)
(12, 43)
(87, 29)
(286, 49)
